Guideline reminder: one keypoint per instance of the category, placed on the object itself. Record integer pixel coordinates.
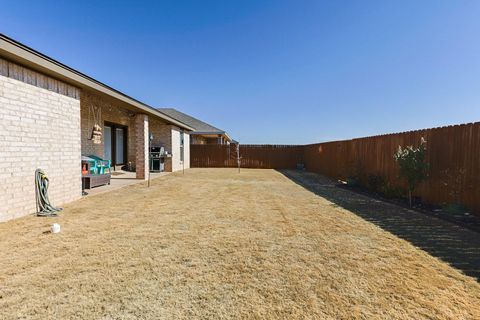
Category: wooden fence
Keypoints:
(252, 156)
(453, 153)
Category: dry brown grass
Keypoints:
(216, 244)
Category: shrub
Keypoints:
(354, 172)
(454, 208)
(392, 192)
(413, 165)
(456, 181)
(376, 183)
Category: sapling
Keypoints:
(413, 165)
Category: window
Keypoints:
(182, 145)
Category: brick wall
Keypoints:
(110, 111)
(142, 142)
(197, 139)
(162, 137)
(168, 136)
(187, 150)
(162, 134)
(39, 128)
(213, 140)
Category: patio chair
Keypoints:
(101, 165)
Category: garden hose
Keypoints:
(44, 207)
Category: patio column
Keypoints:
(142, 152)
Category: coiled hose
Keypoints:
(44, 207)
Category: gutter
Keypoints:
(29, 57)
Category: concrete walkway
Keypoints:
(455, 245)
(119, 180)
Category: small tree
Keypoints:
(413, 165)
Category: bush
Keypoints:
(352, 181)
(376, 183)
(454, 208)
(392, 192)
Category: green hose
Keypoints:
(44, 207)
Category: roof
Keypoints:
(18, 52)
(199, 126)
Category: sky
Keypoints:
(273, 71)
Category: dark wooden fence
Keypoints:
(252, 156)
(453, 153)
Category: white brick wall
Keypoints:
(187, 150)
(38, 129)
(176, 162)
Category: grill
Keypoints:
(157, 159)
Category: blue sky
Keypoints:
(274, 71)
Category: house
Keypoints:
(203, 132)
(51, 115)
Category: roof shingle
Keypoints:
(198, 125)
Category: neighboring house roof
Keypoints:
(17, 52)
(200, 127)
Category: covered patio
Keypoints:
(120, 136)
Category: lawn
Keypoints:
(217, 244)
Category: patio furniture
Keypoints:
(94, 172)
(95, 165)
(90, 181)
(101, 165)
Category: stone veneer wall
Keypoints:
(39, 128)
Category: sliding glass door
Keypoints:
(119, 146)
(115, 145)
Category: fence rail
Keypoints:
(453, 153)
